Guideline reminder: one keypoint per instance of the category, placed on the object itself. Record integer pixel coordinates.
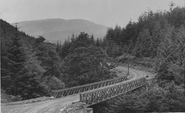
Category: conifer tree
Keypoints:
(29, 80)
(15, 63)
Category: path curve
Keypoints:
(53, 106)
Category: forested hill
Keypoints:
(19, 65)
(31, 68)
(142, 38)
(159, 36)
(157, 40)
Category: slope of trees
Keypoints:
(142, 38)
(29, 67)
(21, 70)
(32, 68)
(160, 38)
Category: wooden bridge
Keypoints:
(87, 95)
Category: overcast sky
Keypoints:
(105, 12)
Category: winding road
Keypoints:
(54, 105)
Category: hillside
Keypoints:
(7, 33)
(21, 61)
(31, 68)
(60, 29)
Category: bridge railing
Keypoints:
(99, 95)
(82, 88)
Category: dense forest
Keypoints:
(157, 41)
(159, 37)
(31, 67)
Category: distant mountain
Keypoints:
(60, 29)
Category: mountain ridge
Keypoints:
(63, 28)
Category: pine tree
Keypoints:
(29, 80)
(15, 63)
